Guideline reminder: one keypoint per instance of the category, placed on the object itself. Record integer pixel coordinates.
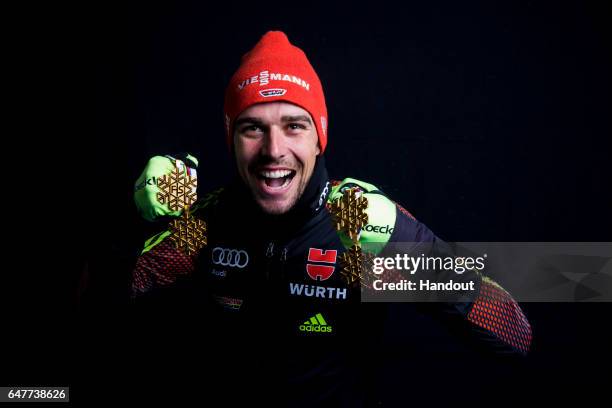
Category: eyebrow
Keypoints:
(258, 121)
(255, 121)
(297, 118)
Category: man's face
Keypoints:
(276, 146)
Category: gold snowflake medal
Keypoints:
(348, 213)
(188, 233)
(177, 189)
(349, 216)
(356, 267)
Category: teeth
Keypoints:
(275, 174)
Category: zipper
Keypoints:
(269, 255)
(270, 264)
(283, 257)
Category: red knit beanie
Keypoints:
(275, 70)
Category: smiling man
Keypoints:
(276, 121)
(276, 146)
(284, 310)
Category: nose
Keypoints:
(274, 143)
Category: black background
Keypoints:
(490, 121)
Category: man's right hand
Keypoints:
(146, 189)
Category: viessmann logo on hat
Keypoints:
(264, 78)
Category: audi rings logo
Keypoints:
(236, 258)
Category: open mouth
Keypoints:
(276, 179)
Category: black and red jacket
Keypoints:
(270, 289)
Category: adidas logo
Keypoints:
(316, 324)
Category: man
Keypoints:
(271, 266)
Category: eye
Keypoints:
(251, 129)
(296, 126)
